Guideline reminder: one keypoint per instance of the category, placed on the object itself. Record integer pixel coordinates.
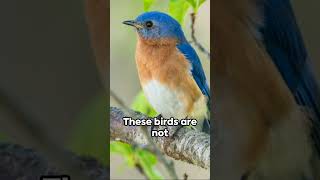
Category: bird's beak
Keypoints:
(133, 23)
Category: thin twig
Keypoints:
(167, 164)
(193, 36)
(185, 176)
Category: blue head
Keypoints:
(157, 26)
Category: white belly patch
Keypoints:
(164, 101)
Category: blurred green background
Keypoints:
(48, 69)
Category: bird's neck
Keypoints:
(153, 58)
(154, 52)
(157, 41)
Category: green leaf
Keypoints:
(200, 2)
(147, 161)
(178, 9)
(121, 148)
(192, 3)
(147, 4)
(195, 4)
(142, 105)
(134, 156)
(125, 150)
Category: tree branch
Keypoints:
(17, 162)
(41, 140)
(193, 36)
(186, 145)
(167, 164)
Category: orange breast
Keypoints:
(166, 64)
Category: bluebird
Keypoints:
(266, 94)
(170, 71)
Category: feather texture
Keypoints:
(165, 75)
(284, 43)
(253, 103)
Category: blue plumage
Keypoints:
(284, 43)
(164, 26)
(197, 71)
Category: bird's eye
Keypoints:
(149, 24)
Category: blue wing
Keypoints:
(198, 75)
(284, 43)
(197, 71)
